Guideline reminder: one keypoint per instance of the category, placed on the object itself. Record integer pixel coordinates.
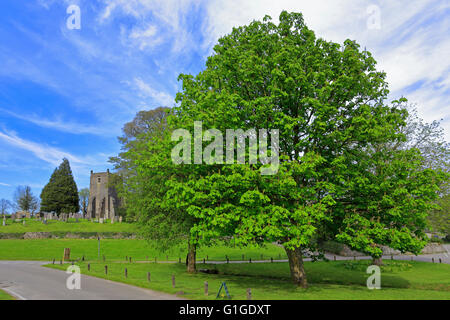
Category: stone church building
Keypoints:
(103, 200)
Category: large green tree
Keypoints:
(387, 201)
(60, 194)
(391, 188)
(144, 166)
(326, 100)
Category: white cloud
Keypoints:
(169, 14)
(5, 184)
(61, 125)
(160, 97)
(81, 165)
(412, 45)
(48, 154)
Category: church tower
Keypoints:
(103, 199)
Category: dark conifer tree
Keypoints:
(60, 195)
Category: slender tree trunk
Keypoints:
(377, 261)
(298, 274)
(191, 258)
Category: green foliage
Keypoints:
(339, 177)
(326, 99)
(440, 217)
(60, 194)
(387, 200)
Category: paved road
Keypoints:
(28, 280)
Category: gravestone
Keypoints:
(4, 221)
(100, 220)
(120, 219)
(13, 217)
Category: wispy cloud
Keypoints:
(412, 46)
(46, 153)
(5, 184)
(160, 97)
(60, 125)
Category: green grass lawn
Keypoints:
(270, 281)
(118, 249)
(32, 225)
(5, 296)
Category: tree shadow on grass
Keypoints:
(316, 275)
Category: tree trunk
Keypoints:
(297, 269)
(377, 261)
(191, 258)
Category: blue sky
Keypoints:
(67, 93)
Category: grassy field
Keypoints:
(270, 281)
(32, 225)
(5, 296)
(119, 249)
